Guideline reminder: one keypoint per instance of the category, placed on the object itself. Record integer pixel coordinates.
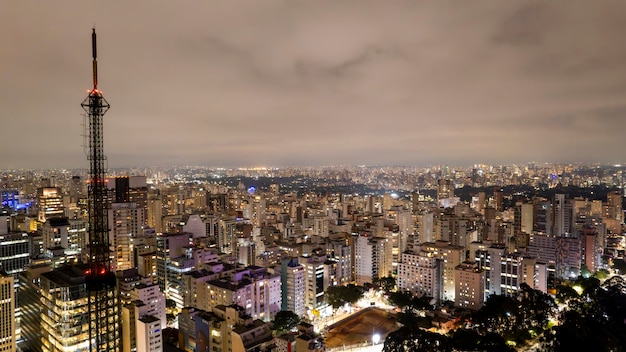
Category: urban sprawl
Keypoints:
(287, 259)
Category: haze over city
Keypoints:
(283, 83)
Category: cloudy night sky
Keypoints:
(296, 83)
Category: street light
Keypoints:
(375, 339)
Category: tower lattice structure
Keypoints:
(103, 309)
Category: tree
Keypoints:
(420, 303)
(565, 293)
(536, 308)
(285, 320)
(499, 314)
(470, 340)
(619, 265)
(594, 321)
(170, 303)
(337, 296)
(601, 274)
(584, 271)
(409, 338)
(400, 299)
(171, 319)
(387, 283)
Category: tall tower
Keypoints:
(100, 279)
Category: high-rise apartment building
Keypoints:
(469, 286)
(293, 286)
(489, 260)
(523, 218)
(445, 189)
(452, 256)
(425, 226)
(542, 216)
(7, 313)
(149, 334)
(255, 290)
(154, 212)
(129, 189)
(563, 216)
(143, 319)
(511, 275)
(68, 234)
(126, 222)
(421, 273)
(535, 274)
(372, 259)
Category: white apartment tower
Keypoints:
(373, 258)
(314, 280)
(425, 226)
(293, 286)
(421, 274)
(149, 334)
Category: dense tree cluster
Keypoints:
(337, 296)
(387, 283)
(406, 301)
(518, 318)
(284, 321)
(409, 338)
(593, 318)
(501, 322)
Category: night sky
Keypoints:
(296, 83)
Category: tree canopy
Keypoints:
(337, 296)
(285, 320)
(593, 320)
(517, 318)
(387, 283)
(414, 339)
(407, 301)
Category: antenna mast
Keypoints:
(100, 279)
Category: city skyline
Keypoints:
(316, 83)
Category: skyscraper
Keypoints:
(64, 310)
(7, 313)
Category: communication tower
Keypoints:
(103, 309)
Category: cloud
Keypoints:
(323, 82)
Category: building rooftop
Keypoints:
(68, 275)
(147, 319)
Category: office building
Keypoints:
(64, 310)
(7, 313)
(50, 203)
